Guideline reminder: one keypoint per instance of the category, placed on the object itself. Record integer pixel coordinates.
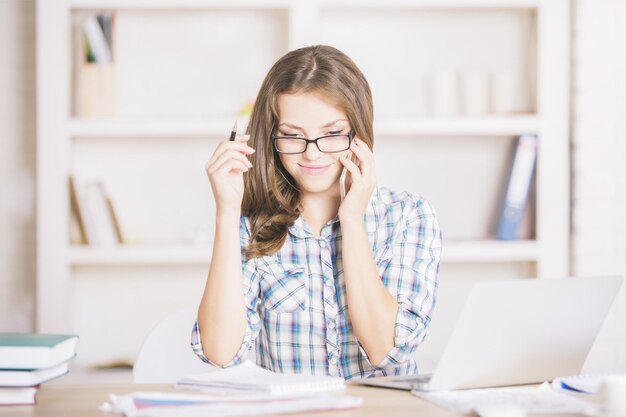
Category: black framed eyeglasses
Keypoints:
(326, 144)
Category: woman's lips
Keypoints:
(313, 169)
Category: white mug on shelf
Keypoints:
(507, 94)
(415, 97)
(475, 92)
(444, 93)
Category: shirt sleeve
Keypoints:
(410, 273)
(250, 291)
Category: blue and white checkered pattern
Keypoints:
(297, 303)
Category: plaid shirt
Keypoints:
(296, 300)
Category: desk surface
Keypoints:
(83, 401)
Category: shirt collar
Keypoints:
(374, 212)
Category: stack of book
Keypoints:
(27, 360)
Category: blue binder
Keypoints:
(518, 187)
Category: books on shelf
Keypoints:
(96, 217)
(250, 378)
(29, 359)
(516, 197)
(94, 83)
(96, 28)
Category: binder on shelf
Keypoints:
(516, 197)
(78, 211)
(112, 215)
(94, 94)
(96, 213)
(96, 40)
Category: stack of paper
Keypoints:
(250, 378)
(265, 392)
(155, 404)
(540, 400)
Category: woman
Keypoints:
(319, 284)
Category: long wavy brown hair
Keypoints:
(270, 201)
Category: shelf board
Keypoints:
(140, 255)
(219, 128)
(470, 251)
(462, 126)
(108, 128)
(430, 4)
(491, 251)
(268, 4)
(178, 4)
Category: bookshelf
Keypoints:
(504, 126)
(174, 104)
(474, 252)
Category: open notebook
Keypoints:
(250, 378)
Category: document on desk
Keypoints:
(539, 400)
(162, 404)
(249, 378)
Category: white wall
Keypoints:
(17, 164)
(598, 155)
(598, 144)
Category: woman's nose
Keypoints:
(312, 152)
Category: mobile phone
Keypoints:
(342, 183)
(342, 180)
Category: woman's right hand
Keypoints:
(225, 171)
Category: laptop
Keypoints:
(517, 332)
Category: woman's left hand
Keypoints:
(363, 182)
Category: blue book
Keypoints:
(518, 187)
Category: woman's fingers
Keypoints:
(239, 144)
(230, 165)
(365, 156)
(229, 154)
(242, 138)
(352, 168)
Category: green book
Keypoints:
(35, 350)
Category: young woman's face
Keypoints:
(310, 116)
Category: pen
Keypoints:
(233, 132)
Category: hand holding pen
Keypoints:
(233, 133)
(225, 170)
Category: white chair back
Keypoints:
(166, 354)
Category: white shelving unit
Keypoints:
(152, 152)
(473, 252)
(505, 126)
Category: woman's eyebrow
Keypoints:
(298, 127)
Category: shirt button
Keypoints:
(333, 360)
(328, 282)
(331, 325)
(323, 243)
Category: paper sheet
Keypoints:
(158, 404)
(250, 378)
(540, 400)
